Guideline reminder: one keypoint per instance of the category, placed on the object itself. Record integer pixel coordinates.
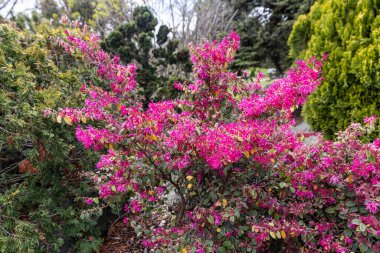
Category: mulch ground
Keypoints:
(121, 238)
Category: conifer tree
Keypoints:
(264, 27)
(158, 57)
(349, 31)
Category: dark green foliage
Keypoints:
(41, 189)
(162, 35)
(264, 27)
(49, 9)
(83, 9)
(350, 32)
(157, 62)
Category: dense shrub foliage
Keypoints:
(245, 181)
(350, 32)
(41, 205)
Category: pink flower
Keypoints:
(334, 180)
(136, 207)
(370, 120)
(347, 240)
(372, 206)
(89, 201)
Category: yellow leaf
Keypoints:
(239, 138)
(189, 186)
(272, 234)
(218, 230)
(110, 146)
(278, 234)
(189, 178)
(83, 119)
(151, 192)
(184, 250)
(224, 201)
(155, 127)
(350, 179)
(59, 119)
(154, 137)
(292, 234)
(246, 153)
(283, 234)
(68, 120)
(271, 224)
(253, 151)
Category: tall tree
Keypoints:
(102, 15)
(156, 55)
(264, 26)
(194, 20)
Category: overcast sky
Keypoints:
(21, 6)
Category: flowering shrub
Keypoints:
(246, 182)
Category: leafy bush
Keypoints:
(350, 32)
(245, 181)
(41, 189)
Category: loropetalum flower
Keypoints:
(372, 206)
(244, 179)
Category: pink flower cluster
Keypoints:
(243, 177)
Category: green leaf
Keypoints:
(228, 244)
(362, 227)
(222, 249)
(350, 203)
(330, 210)
(210, 219)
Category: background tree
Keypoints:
(264, 27)
(158, 58)
(103, 16)
(350, 32)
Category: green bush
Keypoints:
(349, 31)
(41, 189)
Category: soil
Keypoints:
(121, 238)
